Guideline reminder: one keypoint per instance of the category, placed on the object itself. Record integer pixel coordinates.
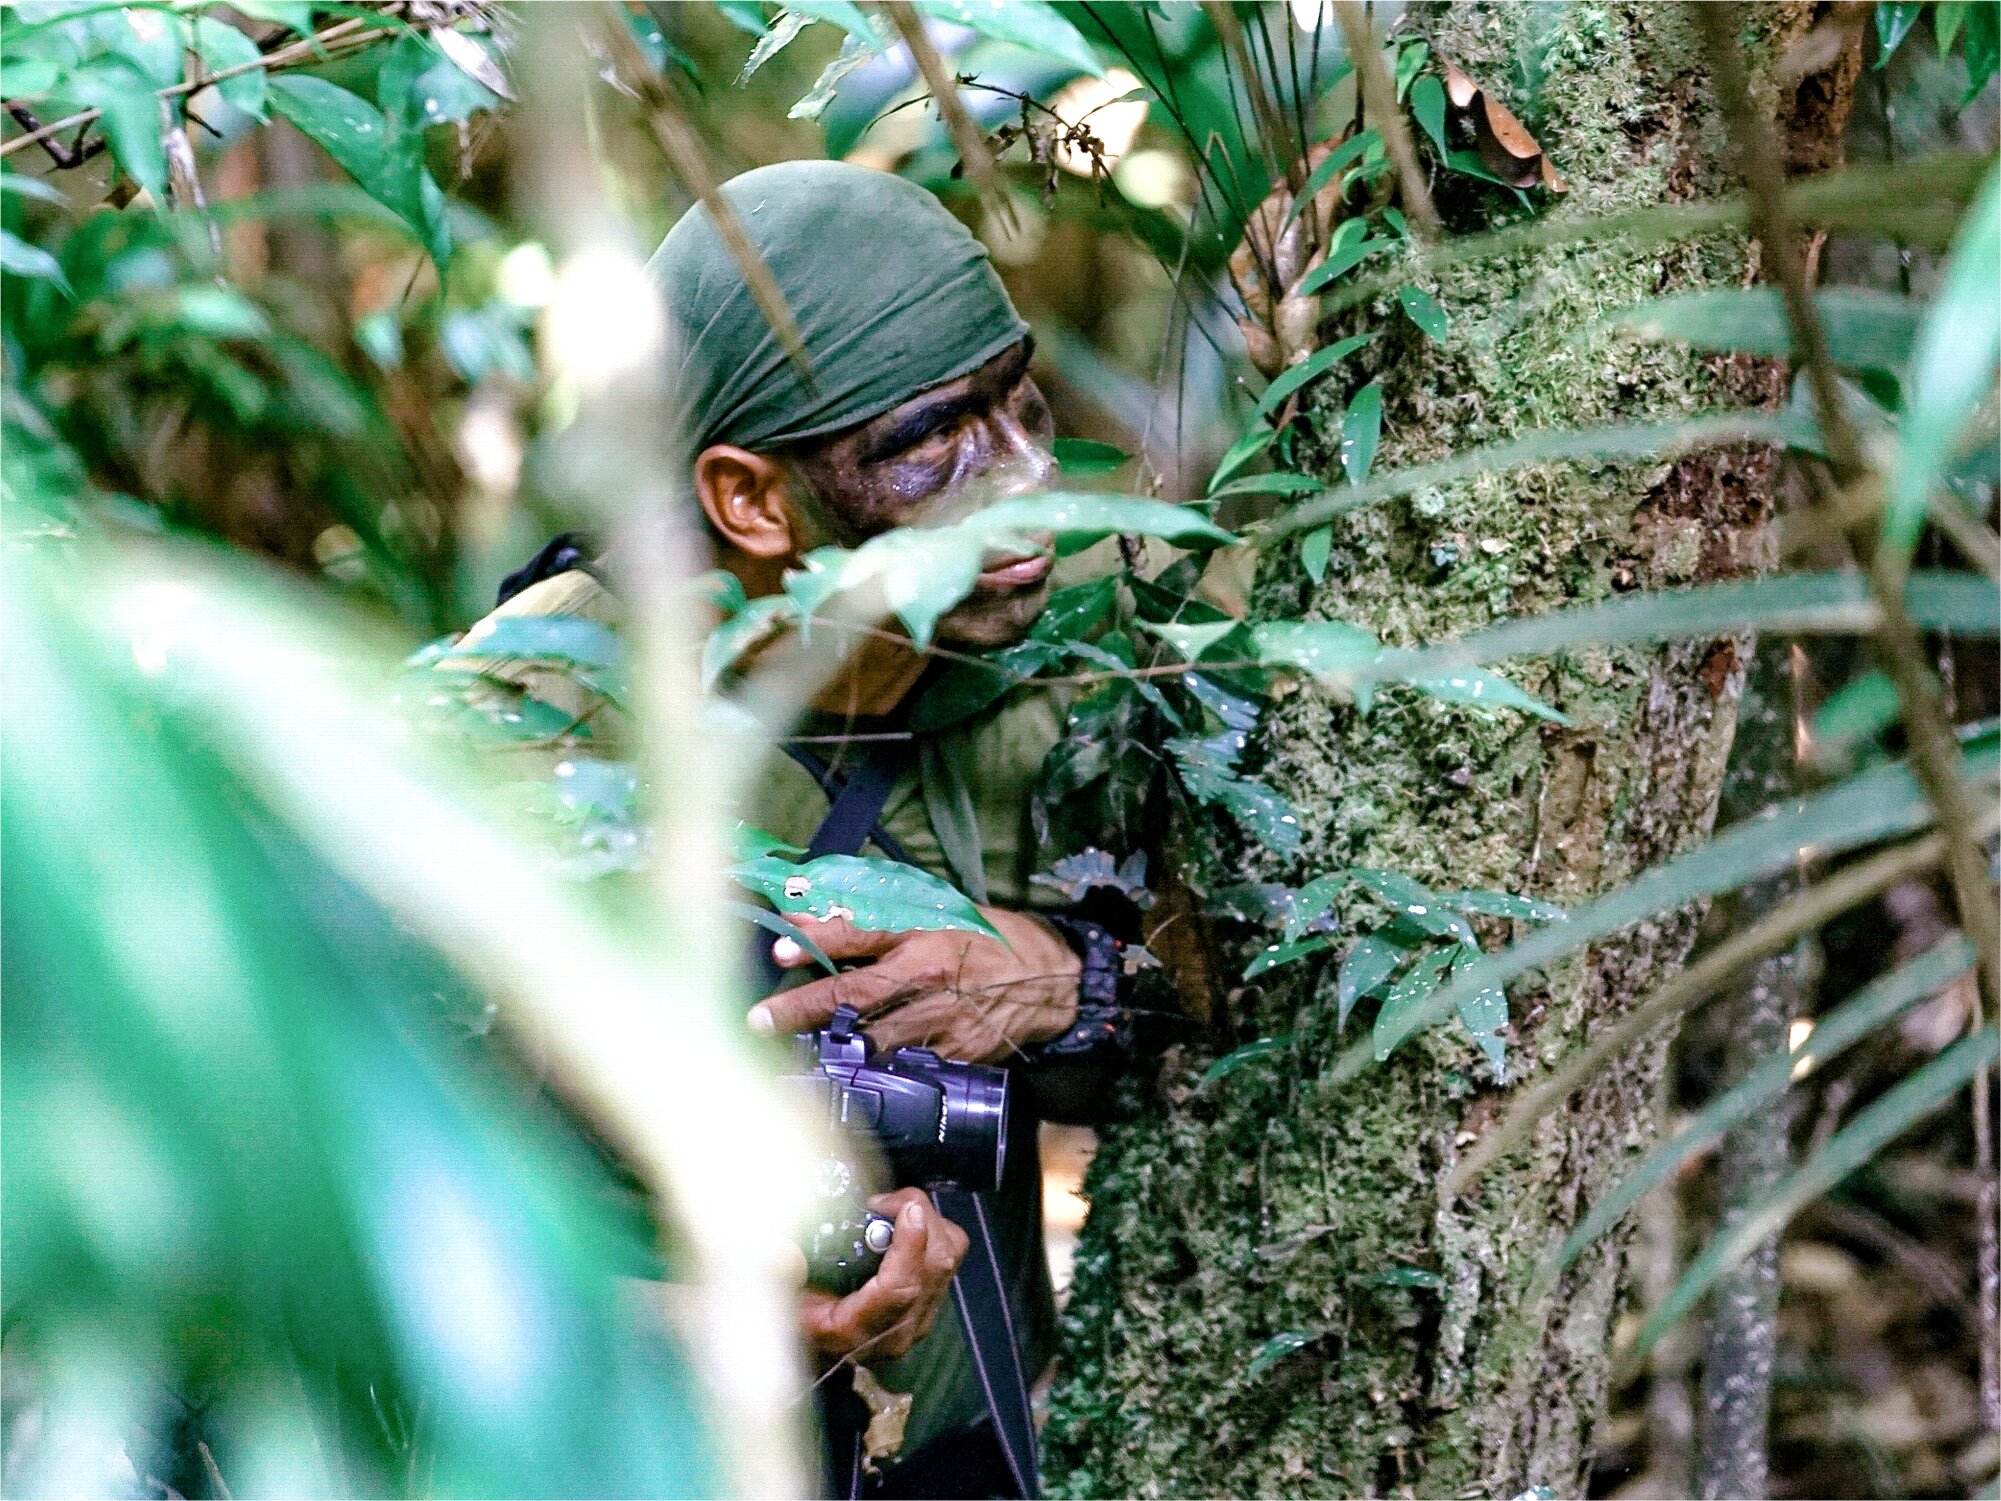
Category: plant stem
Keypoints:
(1379, 99)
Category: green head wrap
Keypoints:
(891, 294)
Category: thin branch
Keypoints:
(966, 135)
(1379, 96)
(683, 150)
(344, 36)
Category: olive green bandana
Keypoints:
(892, 296)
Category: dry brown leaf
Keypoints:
(1506, 147)
(1274, 254)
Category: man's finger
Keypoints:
(807, 1007)
(898, 1283)
(838, 939)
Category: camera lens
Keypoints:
(976, 1115)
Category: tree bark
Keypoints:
(1270, 1203)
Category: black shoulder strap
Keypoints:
(561, 554)
(979, 1291)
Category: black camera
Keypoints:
(932, 1120)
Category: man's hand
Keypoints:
(895, 1308)
(964, 995)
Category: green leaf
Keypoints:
(221, 47)
(1342, 260)
(844, 14)
(1278, 482)
(1312, 368)
(1229, 1063)
(1877, 804)
(776, 38)
(1082, 458)
(813, 103)
(1414, 901)
(943, 773)
(771, 922)
(568, 639)
(1076, 610)
(22, 259)
(882, 896)
(1078, 519)
(1330, 650)
(130, 119)
(1983, 49)
(1910, 1101)
(1315, 549)
(1961, 604)
(1365, 969)
(1325, 169)
(1402, 1011)
(1865, 330)
(1407, 1276)
(1427, 104)
(1834, 1033)
(1208, 771)
(1254, 442)
(1424, 311)
(1947, 17)
(1026, 23)
(1191, 639)
(354, 133)
(1272, 955)
(1361, 430)
(1952, 372)
(1501, 904)
(27, 78)
(754, 623)
(1410, 62)
(30, 187)
(1484, 1014)
(1855, 715)
(1894, 20)
(1275, 1349)
(1482, 690)
(296, 14)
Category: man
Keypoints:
(919, 393)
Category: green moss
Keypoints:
(1272, 1202)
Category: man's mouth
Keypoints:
(1019, 573)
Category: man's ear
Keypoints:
(744, 496)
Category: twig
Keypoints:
(966, 135)
(73, 155)
(1224, 19)
(351, 35)
(1379, 96)
(684, 153)
(1813, 907)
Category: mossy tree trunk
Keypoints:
(1270, 1203)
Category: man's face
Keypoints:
(983, 436)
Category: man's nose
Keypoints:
(1017, 447)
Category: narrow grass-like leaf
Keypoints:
(1368, 964)
(1310, 369)
(1342, 156)
(1403, 1011)
(1839, 1029)
(1081, 457)
(1953, 603)
(1865, 330)
(1424, 311)
(1482, 690)
(1502, 904)
(1856, 713)
(1852, 1146)
(1275, 1349)
(1952, 373)
(1276, 483)
(1230, 1062)
(1361, 430)
(1648, 440)
(1274, 955)
(771, 922)
(1249, 446)
(1881, 802)
(1418, 903)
